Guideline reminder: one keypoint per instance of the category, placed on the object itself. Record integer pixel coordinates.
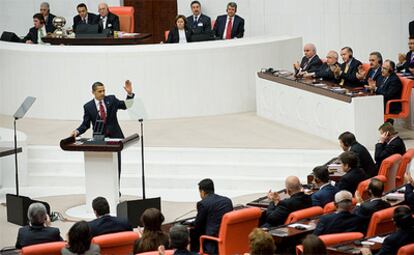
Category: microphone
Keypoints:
(185, 214)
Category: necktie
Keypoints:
(229, 28)
(102, 112)
(195, 22)
(305, 65)
(345, 71)
(39, 40)
(412, 58)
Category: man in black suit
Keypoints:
(210, 211)
(327, 70)
(374, 71)
(326, 192)
(310, 62)
(354, 174)
(349, 69)
(37, 31)
(342, 220)
(48, 17)
(278, 210)
(37, 231)
(348, 142)
(105, 223)
(107, 20)
(229, 26)
(389, 143)
(84, 17)
(198, 22)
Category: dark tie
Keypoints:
(195, 22)
(305, 65)
(102, 111)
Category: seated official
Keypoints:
(389, 143)
(326, 192)
(261, 242)
(198, 22)
(313, 245)
(105, 223)
(310, 61)
(179, 240)
(374, 71)
(84, 17)
(348, 142)
(107, 20)
(327, 70)
(409, 190)
(404, 235)
(180, 33)
(229, 26)
(342, 220)
(152, 236)
(47, 17)
(38, 231)
(210, 211)
(79, 241)
(37, 31)
(390, 86)
(278, 210)
(408, 66)
(349, 69)
(365, 209)
(353, 173)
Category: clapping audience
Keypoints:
(310, 62)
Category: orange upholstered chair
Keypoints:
(213, 22)
(234, 231)
(116, 243)
(303, 214)
(167, 252)
(166, 33)
(330, 207)
(332, 239)
(51, 248)
(381, 222)
(126, 17)
(406, 250)
(363, 186)
(366, 67)
(389, 168)
(405, 163)
(407, 85)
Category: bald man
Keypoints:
(329, 71)
(310, 61)
(278, 210)
(107, 20)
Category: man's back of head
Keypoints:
(321, 174)
(293, 185)
(376, 188)
(100, 206)
(179, 237)
(343, 201)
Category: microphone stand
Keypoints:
(16, 167)
(141, 121)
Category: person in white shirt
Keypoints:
(37, 31)
(180, 33)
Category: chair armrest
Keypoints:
(389, 102)
(205, 237)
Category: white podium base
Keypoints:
(84, 212)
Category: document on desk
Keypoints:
(279, 232)
(377, 239)
(298, 225)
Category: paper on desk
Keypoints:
(294, 225)
(377, 239)
(395, 195)
(107, 139)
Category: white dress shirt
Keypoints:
(97, 106)
(181, 33)
(104, 19)
(225, 27)
(41, 32)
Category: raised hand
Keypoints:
(128, 87)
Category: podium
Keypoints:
(101, 171)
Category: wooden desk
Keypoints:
(353, 247)
(7, 151)
(137, 39)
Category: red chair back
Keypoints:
(126, 17)
(332, 239)
(406, 250)
(381, 222)
(389, 168)
(116, 243)
(404, 166)
(51, 248)
(407, 86)
(166, 33)
(363, 186)
(303, 214)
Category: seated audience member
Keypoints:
(349, 69)
(37, 231)
(390, 86)
(409, 58)
(84, 17)
(400, 66)
(353, 174)
(198, 22)
(374, 71)
(105, 223)
(404, 235)
(374, 204)
(229, 26)
(47, 17)
(179, 240)
(326, 191)
(389, 143)
(278, 210)
(327, 70)
(152, 237)
(210, 211)
(313, 245)
(342, 220)
(180, 33)
(79, 241)
(261, 243)
(37, 31)
(348, 142)
(106, 19)
(409, 190)
(310, 62)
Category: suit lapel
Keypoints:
(108, 106)
(235, 24)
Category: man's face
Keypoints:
(82, 11)
(103, 10)
(374, 61)
(99, 93)
(231, 11)
(44, 11)
(330, 59)
(308, 51)
(346, 55)
(196, 9)
(342, 145)
(37, 24)
(385, 71)
(411, 44)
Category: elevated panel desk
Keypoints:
(136, 39)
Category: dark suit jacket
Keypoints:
(92, 19)
(384, 150)
(374, 74)
(108, 224)
(277, 214)
(365, 160)
(326, 73)
(203, 24)
(35, 234)
(49, 23)
(409, 196)
(112, 105)
(184, 252)
(338, 222)
(406, 67)
(174, 36)
(368, 208)
(391, 88)
(313, 66)
(396, 240)
(323, 196)
(32, 35)
(350, 77)
(112, 22)
(237, 30)
(350, 180)
(411, 28)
